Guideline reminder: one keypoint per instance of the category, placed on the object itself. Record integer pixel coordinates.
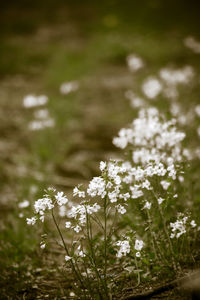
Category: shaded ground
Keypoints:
(43, 45)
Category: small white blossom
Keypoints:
(134, 62)
(67, 258)
(137, 254)
(124, 248)
(193, 224)
(78, 192)
(152, 87)
(165, 184)
(121, 209)
(138, 245)
(31, 221)
(24, 204)
(32, 100)
(160, 200)
(68, 87)
(42, 245)
(61, 198)
(77, 229)
(102, 166)
(147, 205)
(67, 224)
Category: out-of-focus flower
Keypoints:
(191, 43)
(152, 87)
(24, 204)
(33, 101)
(134, 62)
(68, 87)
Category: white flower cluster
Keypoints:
(33, 101)
(68, 87)
(79, 215)
(134, 62)
(152, 87)
(47, 203)
(191, 43)
(124, 249)
(97, 187)
(139, 244)
(152, 137)
(179, 227)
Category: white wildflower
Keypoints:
(61, 198)
(134, 62)
(193, 223)
(165, 184)
(67, 258)
(160, 200)
(42, 245)
(138, 245)
(152, 87)
(147, 205)
(97, 187)
(124, 248)
(78, 192)
(68, 224)
(24, 204)
(102, 166)
(32, 100)
(121, 209)
(138, 254)
(31, 221)
(68, 87)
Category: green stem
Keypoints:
(64, 244)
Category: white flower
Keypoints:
(147, 205)
(67, 224)
(102, 166)
(67, 258)
(62, 211)
(68, 87)
(151, 87)
(32, 100)
(124, 248)
(61, 198)
(24, 204)
(138, 254)
(78, 192)
(42, 204)
(165, 184)
(197, 110)
(192, 43)
(77, 228)
(42, 245)
(160, 200)
(134, 62)
(81, 254)
(193, 224)
(121, 209)
(97, 187)
(41, 114)
(138, 245)
(31, 221)
(42, 218)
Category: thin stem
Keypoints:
(138, 273)
(93, 258)
(175, 266)
(152, 235)
(64, 244)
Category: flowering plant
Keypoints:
(123, 219)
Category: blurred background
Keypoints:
(70, 72)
